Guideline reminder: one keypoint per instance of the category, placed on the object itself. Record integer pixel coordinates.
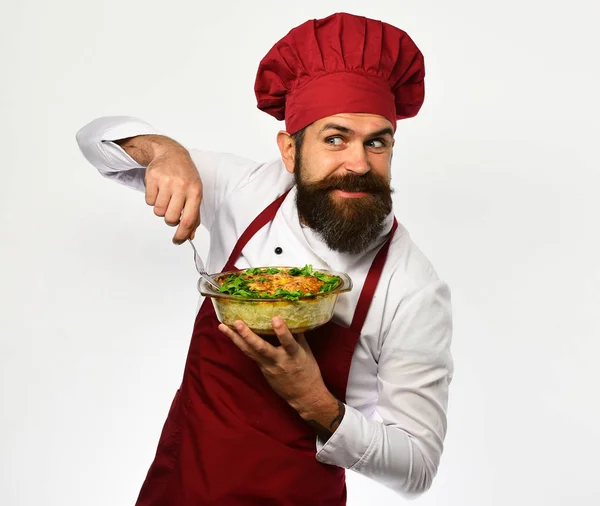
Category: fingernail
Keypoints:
(238, 325)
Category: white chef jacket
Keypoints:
(397, 394)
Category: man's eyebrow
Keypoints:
(382, 132)
(334, 126)
(379, 133)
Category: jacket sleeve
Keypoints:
(402, 450)
(220, 173)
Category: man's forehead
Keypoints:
(358, 123)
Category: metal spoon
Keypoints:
(201, 270)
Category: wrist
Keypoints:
(160, 145)
(324, 414)
(315, 403)
(144, 149)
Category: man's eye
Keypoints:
(334, 141)
(376, 143)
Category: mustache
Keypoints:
(369, 183)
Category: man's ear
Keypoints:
(287, 148)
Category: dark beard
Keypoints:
(349, 225)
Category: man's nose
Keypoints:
(356, 160)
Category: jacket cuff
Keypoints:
(351, 444)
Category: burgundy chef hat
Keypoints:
(341, 64)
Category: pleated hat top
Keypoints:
(341, 64)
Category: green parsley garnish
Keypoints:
(237, 283)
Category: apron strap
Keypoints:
(368, 290)
(259, 222)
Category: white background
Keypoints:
(497, 180)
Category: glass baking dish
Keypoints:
(304, 314)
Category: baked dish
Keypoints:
(304, 298)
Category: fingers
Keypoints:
(174, 209)
(237, 340)
(162, 201)
(256, 348)
(179, 209)
(190, 220)
(174, 189)
(151, 191)
(287, 340)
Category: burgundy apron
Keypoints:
(229, 439)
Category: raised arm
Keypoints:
(153, 163)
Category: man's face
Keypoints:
(342, 173)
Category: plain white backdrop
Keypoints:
(497, 180)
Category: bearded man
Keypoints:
(263, 422)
